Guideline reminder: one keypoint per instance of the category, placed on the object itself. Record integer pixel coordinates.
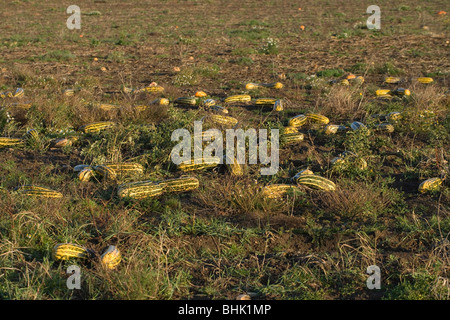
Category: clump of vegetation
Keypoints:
(270, 46)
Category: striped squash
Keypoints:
(186, 101)
(181, 184)
(140, 189)
(224, 120)
(86, 174)
(209, 102)
(209, 162)
(265, 101)
(18, 93)
(151, 89)
(105, 172)
(67, 251)
(275, 191)
(425, 80)
(10, 142)
(298, 121)
(32, 135)
(383, 92)
(238, 98)
(218, 109)
(316, 182)
(276, 104)
(37, 191)
(302, 172)
(430, 184)
(293, 137)
(273, 85)
(401, 92)
(392, 80)
(317, 118)
(290, 130)
(252, 86)
(96, 127)
(111, 257)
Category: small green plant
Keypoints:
(330, 73)
(358, 142)
(245, 61)
(388, 68)
(185, 78)
(270, 46)
(93, 13)
(57, 55)
(116, 56)
(243, 51)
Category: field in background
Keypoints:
(225, 238)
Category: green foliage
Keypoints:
(388, 68)
(330, 73)
(270, 46)
(57, 55)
